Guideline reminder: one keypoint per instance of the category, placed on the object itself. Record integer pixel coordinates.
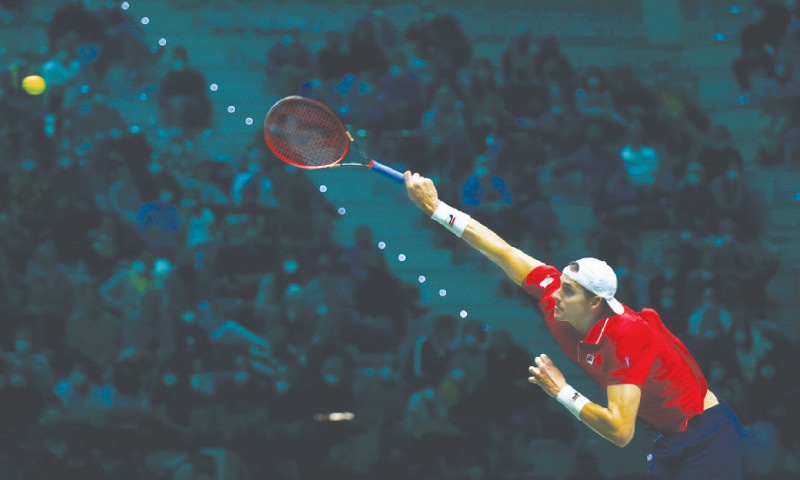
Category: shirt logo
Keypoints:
(590, 359)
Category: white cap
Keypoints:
(597, 277)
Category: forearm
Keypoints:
(616, 423)
(606, 424)
(423, 193)
(515, 263)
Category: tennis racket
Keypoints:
(307, 134)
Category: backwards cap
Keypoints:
(597, 277)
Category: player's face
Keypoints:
(572, 301)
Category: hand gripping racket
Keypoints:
(305, 133)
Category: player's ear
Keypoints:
(596, 302)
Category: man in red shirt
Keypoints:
(645, 370)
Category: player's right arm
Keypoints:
(515, 263)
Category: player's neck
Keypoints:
(585, 324)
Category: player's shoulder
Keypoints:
(632, 322)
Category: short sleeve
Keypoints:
(634, 356)
(544, 279)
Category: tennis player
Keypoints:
(644, 369)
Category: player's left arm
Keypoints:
(616, 423)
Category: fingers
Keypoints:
(541, 360)
(411, 178)
(535, 371)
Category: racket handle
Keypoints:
(388, 171)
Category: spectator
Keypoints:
(787, 67)
(81, 32)
(640, 191)
(485, 190)
(432, 352)
(484, 100)
(524, 93)
(403, 96)
(447, 130)
(369, 45)
(666, 291)
(598, 161)
(594, 101)
(709, 326)
(93, 330)
(693, 206)
(49, 297)
(183, 97)
(737, 201)
(331, 62)
(760, 41)
(288, 64)
(439, 39)
(718, 153)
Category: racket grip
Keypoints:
(388, 171)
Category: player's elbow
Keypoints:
(622, 437)
(622, 442)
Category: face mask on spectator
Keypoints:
(290, 266)
(241, 378)
(22, 346)
(77, 379)
(386, 373)
(670, 273)
(331, 379)
(169, 380)
(282, 387)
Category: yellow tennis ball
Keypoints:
(33, 84)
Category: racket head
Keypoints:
(305, 133)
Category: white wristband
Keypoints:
(452, 219)
(573, 400)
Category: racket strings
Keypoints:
(305, 133)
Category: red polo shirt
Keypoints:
(630, 348)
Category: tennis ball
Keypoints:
(33, 84)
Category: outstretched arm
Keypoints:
(513, 261)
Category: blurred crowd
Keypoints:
(165, 315)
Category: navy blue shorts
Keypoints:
(710, 448)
